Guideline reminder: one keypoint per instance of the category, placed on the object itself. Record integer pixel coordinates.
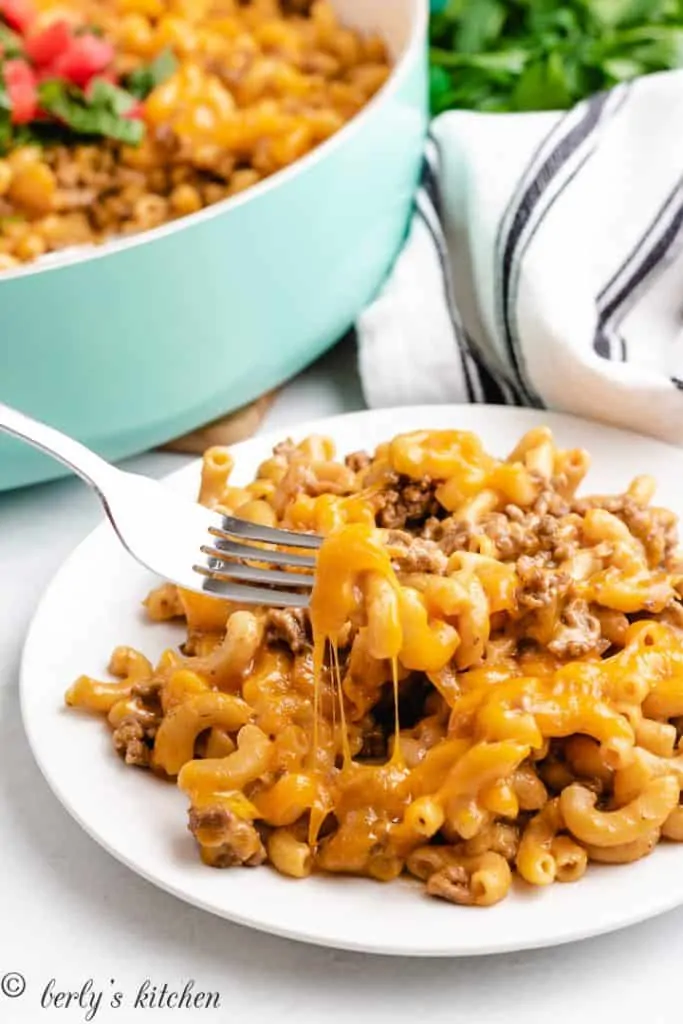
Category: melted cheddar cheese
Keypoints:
(489, 678)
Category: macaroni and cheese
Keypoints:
(120, 115)
(488, 683)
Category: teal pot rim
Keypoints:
(404, 66)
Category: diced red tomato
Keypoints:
(46, 46)
(18, 14)
(104, 76)
(137, 111)
(22, 91)
(85, 57)
(43, 74)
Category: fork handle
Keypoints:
(93, 469)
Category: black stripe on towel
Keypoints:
(430, 174)
(640, 269)
(493, 392)
(480, 381)
(533, 201)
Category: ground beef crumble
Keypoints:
(288, 626)
(450, 535)
(148, 691)
(514, 533)
(132, 742)
(450, 883)
(539, 585)
(577, 633)
(672, 615)
(407, 503)
(230, 840)
(357, 461)
(415, 554)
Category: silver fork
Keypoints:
(177, 539)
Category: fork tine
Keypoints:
(218, 565)
(242, 528)
(224, 546)
(243, 594)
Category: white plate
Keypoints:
(93, 604)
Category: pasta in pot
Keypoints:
(488, 683)
(169, 106)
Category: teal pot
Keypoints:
(134, 343)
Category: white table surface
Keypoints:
(68, 911)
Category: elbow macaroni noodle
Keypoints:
(489, 680)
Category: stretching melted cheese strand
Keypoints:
(347, 559)
(337, 689)
(336, 696)
(397, 753)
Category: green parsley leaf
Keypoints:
(100, 112)
(89, 30)
(544, 85)
(479, 26)
(5, 102)
(10, 43)
(143, 80)
(507, 55)
(107, 95)
(6, 127)
(615, 13)
(6, 133)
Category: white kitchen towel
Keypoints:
(544, 265)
